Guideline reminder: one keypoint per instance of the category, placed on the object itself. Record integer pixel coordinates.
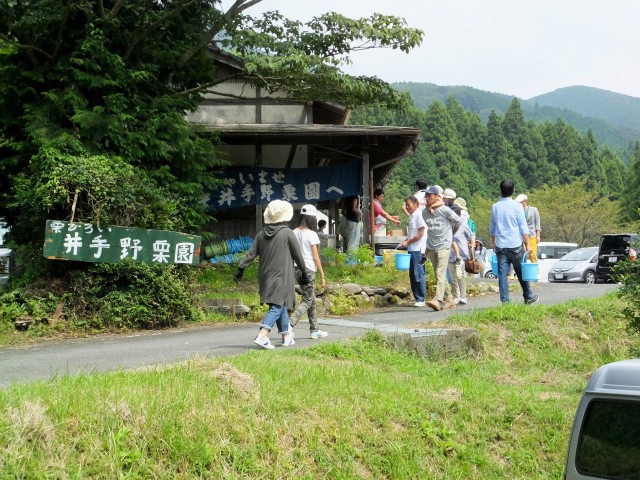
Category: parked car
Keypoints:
(604, 440)
(5, 264)
(549, 253)
(576, 266)
(6, 256)
(487, 272)
(613, 249)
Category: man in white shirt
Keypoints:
(421, 185)
(416, 244)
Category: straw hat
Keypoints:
(461, 202)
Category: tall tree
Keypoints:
(563, 147)
(571, 213)
(500, 164)
(631, 193)
(441, 141)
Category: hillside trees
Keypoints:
(551, 158)
(631, 193)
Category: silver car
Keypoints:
(579, 265)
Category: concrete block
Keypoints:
(435, 344)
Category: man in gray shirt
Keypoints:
(441, 222)
(533, 222)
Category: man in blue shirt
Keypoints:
(509, 231)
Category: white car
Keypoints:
(548, 254)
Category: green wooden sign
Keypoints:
(85, 242)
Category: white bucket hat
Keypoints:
(448, 193)
(521, 198)
(278, 211)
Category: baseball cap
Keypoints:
(432, 189)
(521, 198)
(309, 210)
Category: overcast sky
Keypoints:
(515, 47)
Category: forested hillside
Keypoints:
(612, 107)
(460, 151)
(618, 135)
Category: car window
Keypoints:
(580, 254)
(615, 242)
(562, 251)
(609, 444)
(548, 251)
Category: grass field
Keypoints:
(337, 410)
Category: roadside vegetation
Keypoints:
(337, 410)
(145, 297)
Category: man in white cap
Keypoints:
(278, 248)
(533, 222)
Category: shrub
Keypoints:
(135, 295)
(627, 273)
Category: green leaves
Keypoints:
(305, 59)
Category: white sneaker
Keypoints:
(462, 300)
(457, 300)
(288, 340)
(419, 304)
(264, 342)
(318, 334)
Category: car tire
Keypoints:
(490, 274)
(590, 277)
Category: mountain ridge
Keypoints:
(482, 102)
(613, 107)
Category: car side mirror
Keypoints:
(543, 255)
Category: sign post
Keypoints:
(86, 242)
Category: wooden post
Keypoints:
(372, 214)
(258, 162)
(366, 195)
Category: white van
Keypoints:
(548, 254)
(605, 438)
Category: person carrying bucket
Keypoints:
(509, 231)
(533, 222)
(441, 224)
(416, 244)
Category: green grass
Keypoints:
(337, 410)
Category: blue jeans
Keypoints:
(416, 276)
(507, 257)
(276, 314)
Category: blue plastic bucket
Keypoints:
(494, 265)
(529, 270)
(379, 259)
(402, 261)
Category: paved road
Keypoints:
(44, 360)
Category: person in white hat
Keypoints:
(307, 236)
(448, 196)
(278, 248)
(533, 222)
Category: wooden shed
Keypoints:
(261, 131)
